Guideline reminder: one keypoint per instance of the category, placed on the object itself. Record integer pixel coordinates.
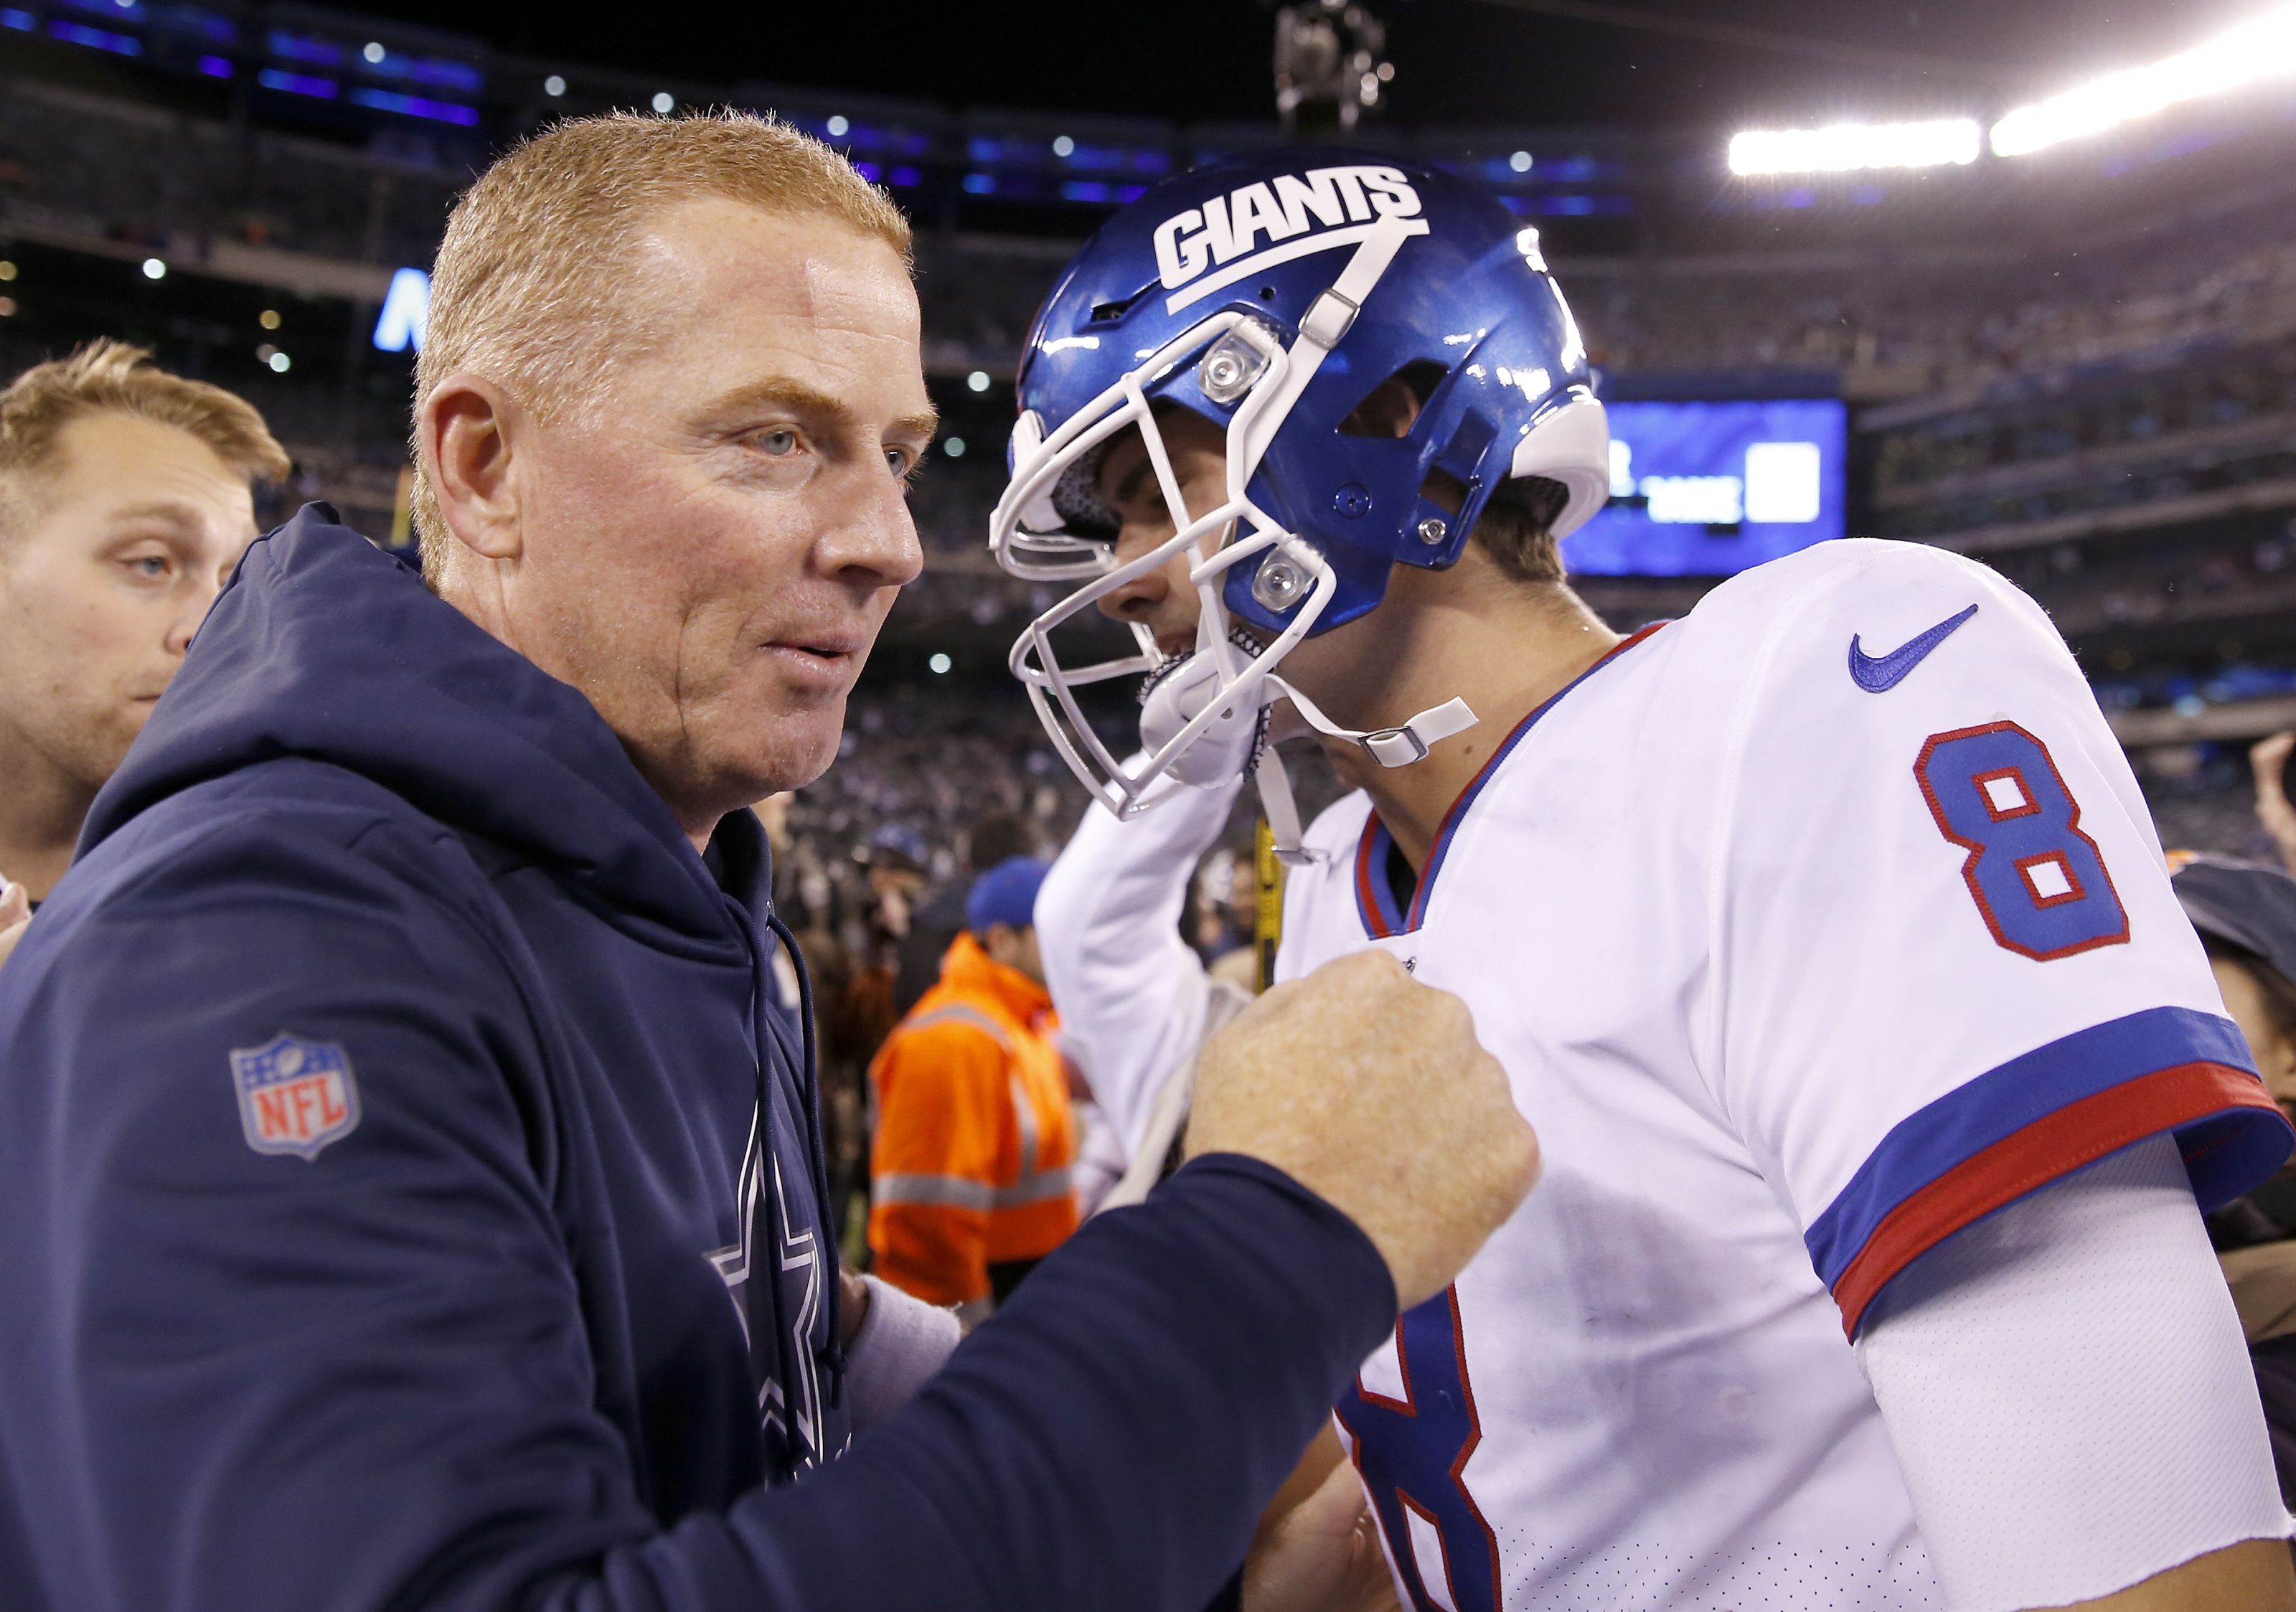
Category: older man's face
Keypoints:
(713, 541)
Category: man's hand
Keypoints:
(2267, 758)
(16, 912)
(1371, 1091)
(2253, 1577)
(1321, 1556)
(852, 1306)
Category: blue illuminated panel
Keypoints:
(1706, 489)
(95, 38)
(415, 106)
(298, 84)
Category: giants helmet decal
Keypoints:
(1270, 296)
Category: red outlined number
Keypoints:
(1413, 1455)
(2040, 882)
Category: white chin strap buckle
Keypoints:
(1401, 747)
(1395, 747)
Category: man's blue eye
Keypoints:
(778, 442)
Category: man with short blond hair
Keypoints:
(124, 505)
(520, 289)
(411, 1198)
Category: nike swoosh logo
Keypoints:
(1879, 674)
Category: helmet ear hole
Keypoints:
(1444, 490)
(1392, 407)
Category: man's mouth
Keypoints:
(826, 650)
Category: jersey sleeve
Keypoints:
(1132, 996)
(1950, 966)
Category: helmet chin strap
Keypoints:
(1395, 747)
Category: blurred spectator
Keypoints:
(124, 505)
(2268, 760)
(994, 837)
(855, 993)
(970, 1171)
(1228, 913)
(2246, 916)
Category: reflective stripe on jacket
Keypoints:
(971, 1160)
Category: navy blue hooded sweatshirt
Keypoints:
(375, 1094)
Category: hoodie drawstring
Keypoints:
(817, 1151)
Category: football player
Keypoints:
(1823, 932)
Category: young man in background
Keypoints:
(124, 502)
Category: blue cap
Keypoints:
(1006, 894)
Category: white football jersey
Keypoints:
(1809, 928)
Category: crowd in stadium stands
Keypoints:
(102, 169)
(2120, 300)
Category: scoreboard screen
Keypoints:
(1705, 489)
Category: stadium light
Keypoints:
(2262, 49)
(1848, 147)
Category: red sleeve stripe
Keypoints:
(2055, 1145)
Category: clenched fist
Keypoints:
(1371, 1091)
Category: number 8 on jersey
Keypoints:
(2037, 879)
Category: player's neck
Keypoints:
(1505, 648)
(41, 812)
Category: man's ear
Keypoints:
(470, 431)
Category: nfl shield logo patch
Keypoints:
(295, 1096)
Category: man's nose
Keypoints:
(876, 543)
(191, 610)
(1137, 599)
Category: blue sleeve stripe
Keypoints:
(1935, 1139)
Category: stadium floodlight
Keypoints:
(2263, 48)
(1848, 147)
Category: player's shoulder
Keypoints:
(1875, 606)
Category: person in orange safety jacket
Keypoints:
(975, 1138)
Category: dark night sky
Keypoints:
(1459, 61)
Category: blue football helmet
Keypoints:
(1270, 296)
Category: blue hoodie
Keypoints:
(379, 1104)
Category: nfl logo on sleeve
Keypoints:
(295, 1096)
